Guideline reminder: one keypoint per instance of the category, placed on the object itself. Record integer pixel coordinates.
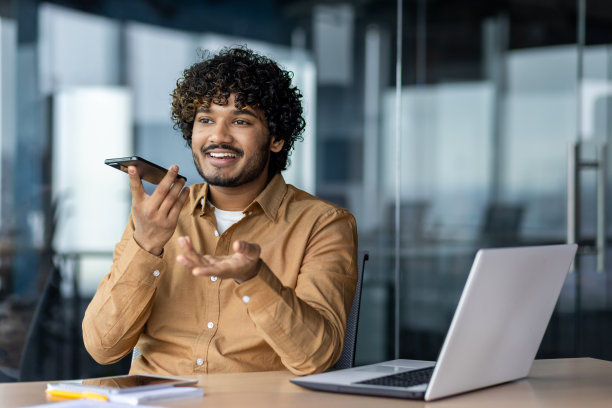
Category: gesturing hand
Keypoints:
(240, 266)
(156, 215)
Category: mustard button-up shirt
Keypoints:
(292, 314)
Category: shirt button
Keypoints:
(246, 299)
(216, 233)
(199, 361)
(210, 325)
(213, 278)
(202, 202)
(250, 212)
(156, 273)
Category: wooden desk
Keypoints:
(581, 382)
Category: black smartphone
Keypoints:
(148, 171)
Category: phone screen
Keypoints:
(147, 170)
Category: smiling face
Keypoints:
(231, 147)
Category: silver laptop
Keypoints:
(496, 331)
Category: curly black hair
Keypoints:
(257, 81)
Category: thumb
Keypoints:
(248, 249)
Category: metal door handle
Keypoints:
(574, 166)
(573, 187)
(600, 241)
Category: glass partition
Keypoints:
(473, 147)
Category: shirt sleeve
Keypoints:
(122, 304)
(305, 325)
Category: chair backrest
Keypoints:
(347, 358)
(135, 353)
(41, 356)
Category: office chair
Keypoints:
(135, 353)
(347, 358)
(41, 355)
(502, 223)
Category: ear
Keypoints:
(276, 145)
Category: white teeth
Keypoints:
(222, 155)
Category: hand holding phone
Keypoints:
(155, 216)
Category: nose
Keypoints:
(220, 133)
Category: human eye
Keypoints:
(204, 120)
(241, 122)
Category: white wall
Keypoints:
(90, 124)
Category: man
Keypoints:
(243, 272)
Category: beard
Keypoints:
(254, 166)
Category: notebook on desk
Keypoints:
(495, 333)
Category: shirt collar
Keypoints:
(272, 196)
(269, 199)
(198, 198)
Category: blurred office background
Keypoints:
(444, 126)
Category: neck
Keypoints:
(236, 198)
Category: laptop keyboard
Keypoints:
(405, 379)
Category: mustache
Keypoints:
(222, 146)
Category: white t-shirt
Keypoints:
(226, 219)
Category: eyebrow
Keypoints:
(244, 111)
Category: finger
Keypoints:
(184, 261)
(201, 271)
(179, 204)
(214, 265)
(136, 186)
(171, 198)
(166, 184)
(188, 262)
(185, 242)
(189, 253)
(215, 268)
(248, 249)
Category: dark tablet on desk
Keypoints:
(122, 383)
